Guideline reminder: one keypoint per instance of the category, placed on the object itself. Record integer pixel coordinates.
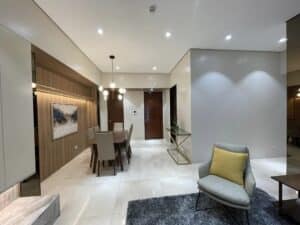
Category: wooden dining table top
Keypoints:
(120, 136)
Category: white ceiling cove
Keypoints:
(137, 38)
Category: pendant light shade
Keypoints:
(112, 85)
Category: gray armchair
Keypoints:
(225, 191)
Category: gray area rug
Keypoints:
(180, 210)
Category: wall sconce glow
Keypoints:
(122, 90)
(120, 97)
(168, 35)
(298, 95)
(228, 37)
(118, 68)
(33, 85)
(154, 68)
(105, 93)
(100, 31)
(282, 40)
(112, 85)
(100, 88)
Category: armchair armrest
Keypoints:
(204, 170)
(250, 183)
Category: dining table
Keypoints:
(119, 138)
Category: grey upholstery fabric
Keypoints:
(223, 190)
(204, 170)
(105, 146)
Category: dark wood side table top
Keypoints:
(292, 181)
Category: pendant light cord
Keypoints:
(112, 70)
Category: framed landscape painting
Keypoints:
(64, 120)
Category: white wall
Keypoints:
(181, 77)
(238, 97)
(16, 108)
(29, 21)
(132, 80)
(134, 101)
(103, 113)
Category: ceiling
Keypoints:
(137, 37)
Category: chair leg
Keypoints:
(247, 217)
(114, 162)
(98, 168)
(95, 159)
(92, 158)
(198, 198)
(128, 156)
(130, 151)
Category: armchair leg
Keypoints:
(198, 198)
(247, 217)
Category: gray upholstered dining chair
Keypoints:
(106, 150)
(118, 126)
(225, 191)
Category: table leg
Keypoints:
(279, 196)
(120, 157)
(95, 157)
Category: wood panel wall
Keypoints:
(55, 87)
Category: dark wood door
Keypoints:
(153, 115)
(115, 109)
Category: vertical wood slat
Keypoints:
(53, 154)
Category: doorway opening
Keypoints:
(153, 115)
(115, 109)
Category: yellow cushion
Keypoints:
(229, 165)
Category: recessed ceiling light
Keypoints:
(118, 68)
(228, 37)
(154, 68)
(168, 35)
(100, 31)
(282, 40)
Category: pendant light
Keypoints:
(112, 84)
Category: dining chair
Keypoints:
(118, 126)
(97, 129)
(106, 150)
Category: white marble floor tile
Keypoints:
(87, 199)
